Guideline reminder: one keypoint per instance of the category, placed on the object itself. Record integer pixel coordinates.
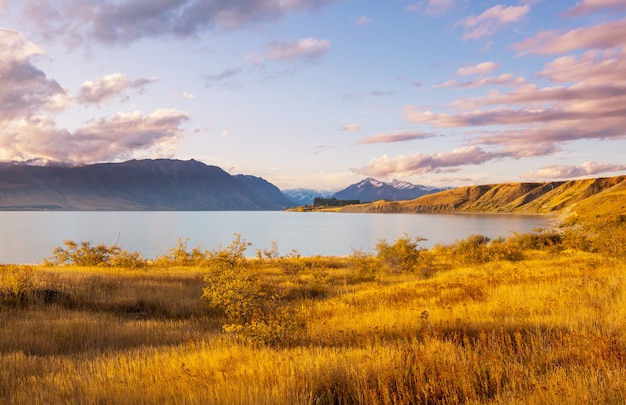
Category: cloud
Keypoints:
(506, 79)
(125, 21)
(362, 20)
(24, 89)
(418, 163)
(121, 136)
(478, 69)
(108, 87)
(432, 7)
(491, 20)
(304, 50)
(29, 101)
(602, 36)
(566, 171)
(223, 75)
(395, 137)
(350, 128)
(586, 7)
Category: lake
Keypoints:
(30, 236)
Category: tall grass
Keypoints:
(541, 327)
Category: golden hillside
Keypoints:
(520, 198)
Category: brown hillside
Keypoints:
(522, 198)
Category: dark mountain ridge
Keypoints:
(160, 184)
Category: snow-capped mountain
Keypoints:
(370, 189)
(305, 196)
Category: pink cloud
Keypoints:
(602, 36)
(418, 163)
(25, 90)
(567, 171)
(306, 49)
(587, 7)
(121, 136)
(350, 128)
(395, 137)
(478, 69)
(506, 79)
(491, 20)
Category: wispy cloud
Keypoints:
(395, 137)
(478, 69)
(587, 7)
(492, 20)
(569, 171)
(432, 7)
(350, 128)
(506, 79)
(601, 36)
(125, 21)
(362, 20)
(304, 50)
(114, 85)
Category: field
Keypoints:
(533, 319)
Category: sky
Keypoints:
(320, 93)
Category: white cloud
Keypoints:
(101, 90)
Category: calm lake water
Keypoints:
(29, 237)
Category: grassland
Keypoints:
(535, 319)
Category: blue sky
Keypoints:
(320, 93)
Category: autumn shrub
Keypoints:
(84, 254)
(609, 236)
(404, 255)
(362, 266)
(180, 255)
(253, 311)
(16, 284)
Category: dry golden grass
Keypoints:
(547, 329)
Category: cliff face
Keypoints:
(520, 198)
(160, 184)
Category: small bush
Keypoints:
(403, 256)
(252, 312)
(181, 256)
(84, 254)
(362, 266)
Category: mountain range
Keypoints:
(366, 190)
(151, 185)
